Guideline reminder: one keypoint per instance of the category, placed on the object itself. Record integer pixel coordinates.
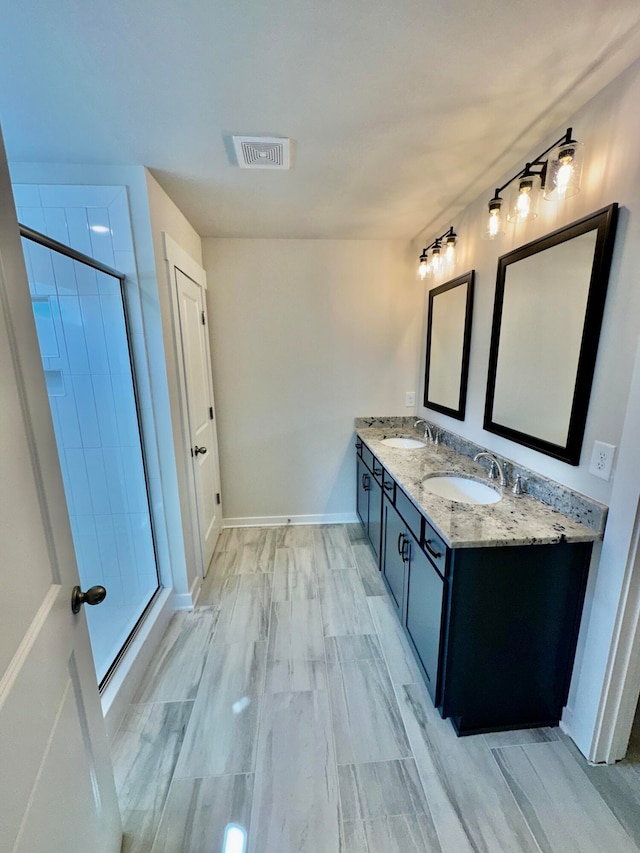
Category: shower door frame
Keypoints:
(54, 245)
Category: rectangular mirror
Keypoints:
(548, 311)
(448, 341)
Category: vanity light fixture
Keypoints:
(435, 262)
(558, 177)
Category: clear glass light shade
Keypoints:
(523, 204)
(564, 171)
(424, 267)
(436, 260)
(450, 250)
(495, 219)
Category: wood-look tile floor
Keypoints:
(287, 711)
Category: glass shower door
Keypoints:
(80, 317)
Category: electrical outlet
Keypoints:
(602, 460)
(410, 398)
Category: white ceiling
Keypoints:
(402, 111)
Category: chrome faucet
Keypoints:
(495, 468)
(427, 429)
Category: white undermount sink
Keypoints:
(461, 489)
(403, 442)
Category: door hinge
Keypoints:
(211, 412)
(218, 498)
(204, 322)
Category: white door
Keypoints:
(200, 411)
(56, 782)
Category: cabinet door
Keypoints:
(362, 494)
(424, 612)
(395, 538)
(375, 516)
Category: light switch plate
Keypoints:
(410, 398)
(602, 460)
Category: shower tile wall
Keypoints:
(83, 342)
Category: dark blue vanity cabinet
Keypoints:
(494, 629)
(425, 595)
(414, 583)
(370, 476)
(394, 556)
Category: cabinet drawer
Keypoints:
(409, 513)
(389, 486)
(359, 446)
(378, 471)
(367, 457)
(434, 547)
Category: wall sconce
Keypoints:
(558, 177)
(437, 261)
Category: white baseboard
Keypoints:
(278, 520)
(120, 690)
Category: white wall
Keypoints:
(305, 336)
(610, 126)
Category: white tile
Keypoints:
(26, 195)
(145, 556)
(44, 279)
(32, 217)
(69, 427)
(64, 270)
(107, 544)
(97, 478)
(108, 285)
(72, 195)
(45, 327)
(126, 551)
(87, 280)
(78, 481)
(101, 243)
(120, 223)
(78, 228)
(86, 408)
(116, 479)
(74, 334)
(94, 334)
(115, 333)
(56, 223)
(126, 414)
(106, 410)
(135, 482)
(90, 564)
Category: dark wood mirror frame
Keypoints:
(459, 411)
(604, 223)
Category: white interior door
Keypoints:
(200, 411)
(56, 783)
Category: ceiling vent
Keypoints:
(262, 152)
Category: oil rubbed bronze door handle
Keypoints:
(197, 450)
(94, 595)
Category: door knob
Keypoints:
(94, 595)
(197, 450)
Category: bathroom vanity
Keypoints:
(489, 595)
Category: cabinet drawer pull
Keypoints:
(366, 482)
(400, 547)
(435, 554)
(377, 471)
(358, 445)
(388, 486)
(406, 551)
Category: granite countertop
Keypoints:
(514, 520)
